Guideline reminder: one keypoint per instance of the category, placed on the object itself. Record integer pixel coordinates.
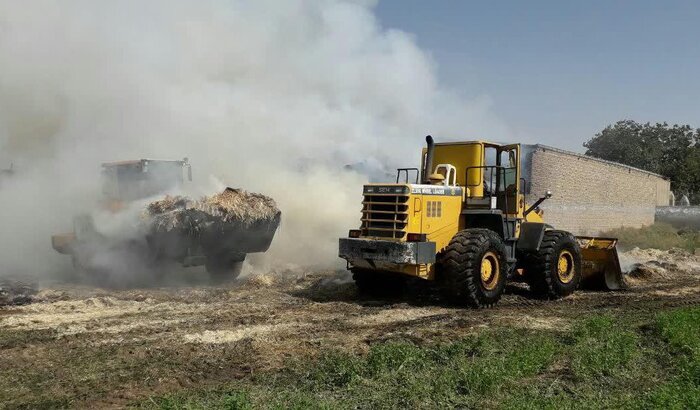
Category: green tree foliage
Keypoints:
(670, 150)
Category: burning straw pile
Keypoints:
(231, 209)
(13, 292)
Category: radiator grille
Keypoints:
(385, 215)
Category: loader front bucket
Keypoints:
(600, 263)
(63, 243)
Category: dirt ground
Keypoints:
(95, 347)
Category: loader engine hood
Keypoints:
(411, 189)
(389, 210)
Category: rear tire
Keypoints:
(224, 268)
(554, 271)
(473, 268)
(86, 271)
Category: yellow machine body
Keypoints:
(435, 212)
(416, 210)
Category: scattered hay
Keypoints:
(222, 336)
(102, 314)
(550, 323)
(651, 270)
(13, 292)
(50, 295)
(394, 316)
(261, 280)
(653, 264)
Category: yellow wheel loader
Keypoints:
(461, 220)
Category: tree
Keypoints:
(671, 151)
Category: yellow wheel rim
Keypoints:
(490, 270)
(565, 266)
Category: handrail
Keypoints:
(400, 170)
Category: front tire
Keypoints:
(554, 271)
(224, 268)
(473, 268)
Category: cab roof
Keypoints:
(486, 143)
(139, 162)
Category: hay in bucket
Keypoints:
(230, 209)
(239, 205)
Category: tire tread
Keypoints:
(459, 267)
(542, 278)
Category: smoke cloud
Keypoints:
(270, 96)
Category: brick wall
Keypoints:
(591, 195)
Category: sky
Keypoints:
(558, 72)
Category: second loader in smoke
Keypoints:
(216, 231)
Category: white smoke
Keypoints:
(270, 96)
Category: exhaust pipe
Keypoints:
(428, 159)
(536, 204)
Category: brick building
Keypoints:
(591, 195)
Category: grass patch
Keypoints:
(602, 362)
(10, 338)
(222, 399)
(402, 374)
(67, 374)
(600, 350)
(680, 329)
(659, 236)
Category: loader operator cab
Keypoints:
(489, 172)
(139, 179)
